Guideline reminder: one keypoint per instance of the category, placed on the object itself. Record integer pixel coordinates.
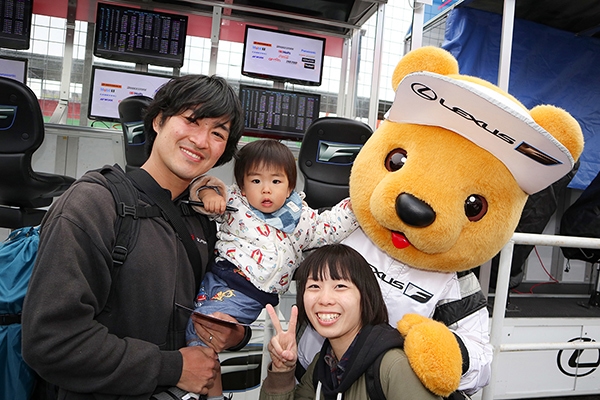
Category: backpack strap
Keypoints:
(126, 200)
(172, 214)
(129, 211)
(373, 379)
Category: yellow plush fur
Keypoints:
(442, 169)
(424, 358)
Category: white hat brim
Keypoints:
(487, 118)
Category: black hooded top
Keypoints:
(371, 342)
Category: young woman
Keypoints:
(340, 297)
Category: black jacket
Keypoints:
(371, 342)
(69, 337)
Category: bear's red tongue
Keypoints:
(399, 240)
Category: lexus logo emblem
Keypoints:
(578, 362)
(424, 91)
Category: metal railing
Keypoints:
(501, 297)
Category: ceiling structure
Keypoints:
(581, 17)
(337, 17)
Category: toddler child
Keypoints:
(260, 244)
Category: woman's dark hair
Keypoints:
(207, 97)
(266, 153)
(338, 261)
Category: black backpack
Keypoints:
(582, 219)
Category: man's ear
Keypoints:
(156, 124)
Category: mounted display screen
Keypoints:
(15, 23)
(278, 114)
(140, 36)
(14, 68)
(110, 86)
(283, 56)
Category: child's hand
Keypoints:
(204, 188)
(214, 203)
(283, 347)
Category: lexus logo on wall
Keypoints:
(578, 362)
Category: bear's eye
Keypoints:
(395, 160)
(476, 207)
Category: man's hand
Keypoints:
(283, 347)
(218, 336)
(200, 368)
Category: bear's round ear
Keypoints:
(428, 58)
(561, 125)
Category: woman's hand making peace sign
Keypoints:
(283, 347)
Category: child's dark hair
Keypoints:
(265, 153)
(207, 97)
(338, 261)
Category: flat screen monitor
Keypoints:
(109, 86)
(15, 23)
(140, 36)
(283, 56)
(14, 68)
(278, 114)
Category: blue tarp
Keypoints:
(17, 256)
(548, 66)
(434, 9)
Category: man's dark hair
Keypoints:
(265, 153)
(207, 97)
(338, 261)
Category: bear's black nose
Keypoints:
(413, 211)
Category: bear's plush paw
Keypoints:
(433, 353)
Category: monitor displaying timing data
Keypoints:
(140, 36)
(110, 86)
(15, 23)
(279, 114)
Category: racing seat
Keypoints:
(23, 192)
(327, 153)
(131, 114)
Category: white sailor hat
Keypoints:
(487, 118)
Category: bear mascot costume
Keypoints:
(438, 189)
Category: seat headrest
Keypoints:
(329, 148)
(21, 120)
(131, 109)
